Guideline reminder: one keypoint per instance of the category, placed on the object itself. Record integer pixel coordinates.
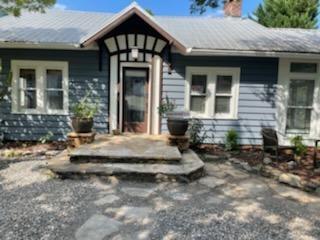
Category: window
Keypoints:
(28, 89)
(303, 67)
(54, 89)
(297, 99)
(301, 94)
(223, 94)
(212, 92)
(40, 87)
(300, 105)
(198, 93)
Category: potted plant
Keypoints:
(83, 114)
(177, 122)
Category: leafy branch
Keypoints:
(14, 7)
(166, 106)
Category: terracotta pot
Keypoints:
(177, 126)
(82, 125)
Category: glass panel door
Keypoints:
(135, 100)
(300, 106)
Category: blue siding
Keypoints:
(83, 74)
(256, 101)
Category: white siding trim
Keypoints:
(122, 42)
(111, 44)
(113, 93)
(135, 65)
(156, 90)
(212, 73)
(40, 68)
(154, 93)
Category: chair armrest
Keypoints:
(286, 147)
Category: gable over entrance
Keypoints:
(137, 37)
(136, 45)
(133, 10)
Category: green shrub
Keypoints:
(46, 138)
(232, 138)
(86, 108)
(300, 148)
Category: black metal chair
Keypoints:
(271, 143)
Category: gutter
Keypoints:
(239, 53)
(48, 46)
(185, 52)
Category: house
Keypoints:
(230, 72)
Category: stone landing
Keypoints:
(127, 149)
(140, 157)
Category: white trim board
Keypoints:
(48, 46)
(40, 68)
(212, 73)
(135, 65)
(155, 73)
(197, 52)
(282, 97)
(125, 14)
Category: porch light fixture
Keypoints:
(134, 53)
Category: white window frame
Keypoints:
(41, 68)
(212, 73)
(282, 99)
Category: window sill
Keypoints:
(206, 117)
(297, 132)
(41, 113)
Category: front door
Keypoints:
(135, 100)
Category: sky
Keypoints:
(158, 7)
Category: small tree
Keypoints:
(196, 132)
(4, 87)
(15, 7)
(288, 13)
(300, 149)
(201, 6)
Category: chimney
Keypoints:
(233, 8)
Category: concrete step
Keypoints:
(189, 168)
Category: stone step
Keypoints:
(189, 168)
(127, 149)
(143, 159)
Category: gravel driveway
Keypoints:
(227, 204)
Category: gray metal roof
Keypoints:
(234, 34)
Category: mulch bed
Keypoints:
(29, 149)
(253, 157)
(305, 169)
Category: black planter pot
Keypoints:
(177, 126)
(82, 125)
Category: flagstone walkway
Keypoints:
(226, 204)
